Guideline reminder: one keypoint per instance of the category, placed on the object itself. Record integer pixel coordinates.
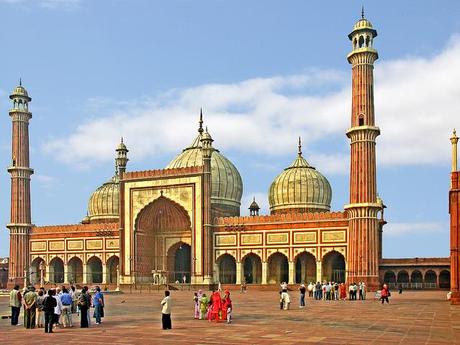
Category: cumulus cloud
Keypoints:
(417, 101)
(403, 229)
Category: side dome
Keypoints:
(227, 185)
(300, 188)
(103, 203)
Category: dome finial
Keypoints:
(300, 147)
(20, 81)
(200, 128)
(362, 11)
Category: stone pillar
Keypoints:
(46, 274)
(66, 274)
(104, 274)
(264, 272)
(85, 271)
(239, 270)
(291, 272)
(319, 271)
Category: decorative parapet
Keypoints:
(134, 175)
(280, 218)
(415, 261)
(75, 228)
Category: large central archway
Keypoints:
(305, 268)
(161, 219)
(334, 267)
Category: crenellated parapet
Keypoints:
(138, 175)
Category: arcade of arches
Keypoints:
(279, 269)
(418, 278)
(94, 271)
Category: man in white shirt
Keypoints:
(166, 311)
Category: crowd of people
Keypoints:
(55, 308)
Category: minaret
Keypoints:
(122, 158)
(207, 149)
(454, 210)
(362, 262)
(254, 208)
(20, 216)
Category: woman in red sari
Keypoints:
(343, 292)
(216, 306)
(226, 303)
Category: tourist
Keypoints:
(284, 286)
(243, 286)
(66, 301)
(98, 303)
(84, 304)
(57, 308)
(286, 299)
(15, 304)
(48, 307)
(362, 291)
(355, 291)
(385, 293)
(30, 306)
(184, 279)
(88, 311)
(310, 289)
(227, 307)
(219, 287)
(400, 288)
(204, 307)
(350, 292)
(318, 291)
(166, 311)
(40, 305)
(72, 294)
(216, 306)
(343, 291)
(328, 291)
(196, 302)
(302, 290)
(336, 291)
(324, 291)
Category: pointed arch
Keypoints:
(75, 270)
(334, 267)
(56, 270)
(252, 268)
(94, 269)
(278, 268)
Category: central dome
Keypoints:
(103, 203)
(300, 188)
(227, 186)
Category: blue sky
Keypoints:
(264, 72)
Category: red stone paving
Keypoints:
(422, 317)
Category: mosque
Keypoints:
(183, 224)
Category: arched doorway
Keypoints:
(111, 266)
(75, 271)
(157, 221)
(35, 273)
(227, 269)
(389, 278)
(403, 278)
(431, 279)
(416, 279)
(56, 271)
(278, 268)
(334, 267)
(252, 267)
(444, 279)
(179, 262)
(305, 268)
(94, 269)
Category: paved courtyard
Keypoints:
(411, 318)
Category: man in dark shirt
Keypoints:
(49, 304)
(302, 290)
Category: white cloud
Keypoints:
(403, 229)
(66, 4)
(45, 180)
(417, 104)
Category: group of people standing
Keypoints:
(55, 307)
(333, 291)
(213, 308)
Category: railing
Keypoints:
(413, 286)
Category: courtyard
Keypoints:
(415, 317)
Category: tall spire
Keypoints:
(20, 81)
(362, 11)
(200, 128)
(454, 141)
(300, 147)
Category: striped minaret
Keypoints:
(20, 217)
(454, 211)
(363, 253)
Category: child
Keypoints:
(203, 307)
(197, 305)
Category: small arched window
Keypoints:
(355, 43)
(368, 39)
(361, 120)
(361, 41)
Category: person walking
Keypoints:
(98, 303)
(84, 303)
(196, 303)
(57, 308)
(203, 307)
(30, 307)
(49, 305)
(302, 290)
(385, 293)
(227, 307)
(15, 304)
(66, 300)
(166, 311)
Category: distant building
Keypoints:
(3, 273)
(183, 222)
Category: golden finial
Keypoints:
(20, 81)
(200, 128)
(454, 141)
(300, 147)
(362, 11)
